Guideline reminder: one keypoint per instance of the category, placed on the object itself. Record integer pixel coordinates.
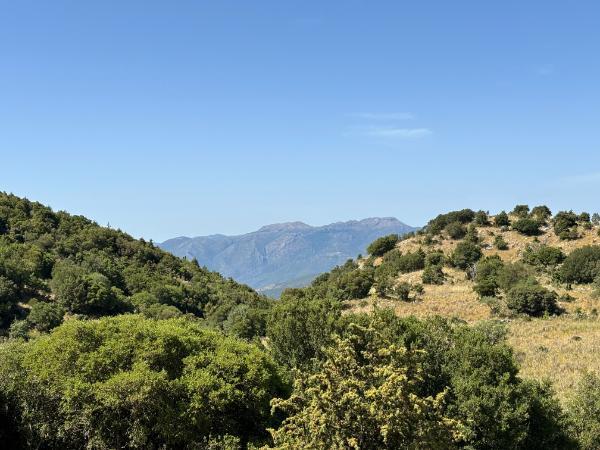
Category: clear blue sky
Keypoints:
(196, 117)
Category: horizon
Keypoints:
(220, 118)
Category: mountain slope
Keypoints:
(54, 263)
(286, 254)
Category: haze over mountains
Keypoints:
(286, 254)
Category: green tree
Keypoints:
(130, 382)
(501, 219)
(565, 225)
(365, 397)
(582, 265)
(481, 218)
(456, 230)
(521, 211)
(299, 327)
(45, 316)
(383, 245)
(526, 226)
(584, 407)
(465, 255)
(532, 299)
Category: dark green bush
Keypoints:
(541, 213)
(465, 255)
(384, 244)
(433, 274)
(501, 219)
(584, 410)
(521, 211)
(455, 230)
(532, 299)
(582, 265)
(500, 243)
(565, 225)
(45, 316)
(526, 226)
(481, 218)
(543, 256)
(463, 216)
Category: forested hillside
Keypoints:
(112, 343)
(53, 264)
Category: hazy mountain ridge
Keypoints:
(284, 254)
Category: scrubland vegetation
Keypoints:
(477, 332)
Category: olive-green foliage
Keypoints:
(584, 410)
(45, 315)
(130, 382)
(300, 327)
(486, 276)
(384, 244)
(501, 219)
(395, 262)
(582, 265)
(584, 217)
(541, 213)
(521, 211)
(565, 225)
(481, 218)
(500, 243)
(96, 271)
(466, 254)
(433, 274)
(464, 216)
(365, 396)
(472, 367)
(544, 256)
(456, 230)
(513, 274)
(527, 226)
(532, 299)
(595, 219)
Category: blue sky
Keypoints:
(198, 117)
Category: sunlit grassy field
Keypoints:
(558, 349)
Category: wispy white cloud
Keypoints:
(384, 116)
(391, 132)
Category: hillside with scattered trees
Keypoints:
(437, 340)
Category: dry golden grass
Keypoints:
(559, 349)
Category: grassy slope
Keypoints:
(558, 349)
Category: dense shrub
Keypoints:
(433, 274)
(500, 243)
(543, 256)
(129, 382)
(455, 230)
(365, 395)
(582, 265)
(463, 216)
(565, 224)
(45, 316)
(384, 244)
(526, 226)
(532, 299)
(501, 219)
(584, 410)
(465, 255)
(521, 211)
(300, 327)
(486, 276)
(541, 213)
(481, 218)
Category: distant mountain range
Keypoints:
(284, 254)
